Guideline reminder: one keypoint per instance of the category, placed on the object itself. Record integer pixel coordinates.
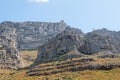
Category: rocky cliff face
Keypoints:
(33, 34)
(58, 47)
(57, 40)
(10, 57)
(103, 40)
(74, 40)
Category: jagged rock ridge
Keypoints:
(33, 34)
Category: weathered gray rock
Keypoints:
(10, 57)
(103, 40)
(66, 42)
(33, 34)
(73, 39)
(58, 41)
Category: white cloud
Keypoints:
(38, 1)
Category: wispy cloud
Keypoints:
(38, 1)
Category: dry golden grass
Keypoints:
(113, 74)
(27, 55)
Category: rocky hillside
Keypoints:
(10, 57)
(103, 40)
(73, 43)
(58, 47)
(33, 34)
(101, 61)
(57, 41)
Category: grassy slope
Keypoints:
(113, 74)
(28, 55)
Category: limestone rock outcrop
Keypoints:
(33, 34)
(56, 41)
(10, 57)
(103, 40)
(72, 42)
(68, 43)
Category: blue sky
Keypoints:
(84, 14)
